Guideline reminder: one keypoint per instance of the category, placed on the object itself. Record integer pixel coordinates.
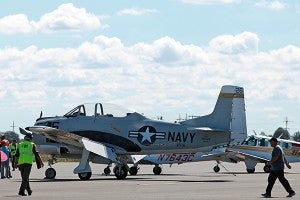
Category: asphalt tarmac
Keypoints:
(186, 181)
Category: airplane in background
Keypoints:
(106, 136)
(257, 149)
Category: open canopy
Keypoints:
(98, 109)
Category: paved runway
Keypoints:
(187, 181)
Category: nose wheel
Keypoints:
(50, 173)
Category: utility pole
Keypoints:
(13, 126)
(286, 123)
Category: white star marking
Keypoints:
(147, 135)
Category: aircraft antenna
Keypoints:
(179, 118)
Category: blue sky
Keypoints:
(157, 57)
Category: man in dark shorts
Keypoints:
(277, 170)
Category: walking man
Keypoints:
(26, 152)
(277, 170)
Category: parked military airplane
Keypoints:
(238, 134)
(105, 137)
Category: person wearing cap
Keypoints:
(277, 170)
(26, 152)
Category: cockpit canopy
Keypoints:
(264, 142)
(98, 109)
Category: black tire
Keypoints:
(133, 171)
(121, 172)
(216, 168)
(50, 173)
(107, 171)
(157, 170)
(85, 176)
(250, 171)
(267, 169)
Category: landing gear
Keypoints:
(267, 168)
(120, 172)
(157, 170)
(50, 173)
(133, 170)
(85, 176)
(216, 168)
(107, 171)
(250, 165)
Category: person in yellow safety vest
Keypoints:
(13, 150)
(26, 153)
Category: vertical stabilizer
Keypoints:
(228, 115)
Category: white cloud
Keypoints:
(161, 75)
(210, 1)
(16, 24)
(136, 11)
(245, 42)
(271, 5)
(65, 18)
(68, 18)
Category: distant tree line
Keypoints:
(284, 134)
(10, 135)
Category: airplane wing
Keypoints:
(244, 156)
(76, 140)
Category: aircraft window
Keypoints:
(99, 109)
(285, 145)
(263, 142)
(250, 141)
(79, 110)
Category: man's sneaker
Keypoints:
(22, 194)
(291, 194)
(266, 195)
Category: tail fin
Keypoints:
(228, 115)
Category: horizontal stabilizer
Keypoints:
(205, 129)
(99, 149)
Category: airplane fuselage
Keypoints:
(135, 134)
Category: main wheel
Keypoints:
(157, 170)
(50, 173)
(107, 171)
(121, 172)
(85, 176)
(267, 168)
(251, 171)
(133, 171)
(216, 168)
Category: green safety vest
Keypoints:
(13, 149)
(26, 154)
